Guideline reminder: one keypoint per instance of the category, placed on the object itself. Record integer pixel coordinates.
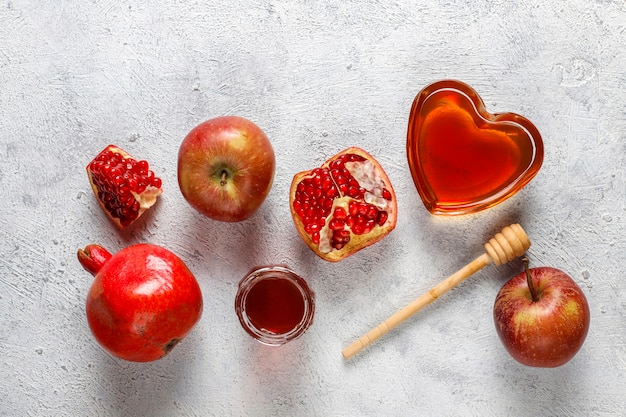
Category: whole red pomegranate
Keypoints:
(343, 206)
(143, 301)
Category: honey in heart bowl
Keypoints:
(464, 159)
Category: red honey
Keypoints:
(464, 159)
(274, 305)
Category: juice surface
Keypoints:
(275, 304)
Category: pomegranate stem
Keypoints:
(93, 257)
(529, 279)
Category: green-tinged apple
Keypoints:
(226, 168)
(542, 317)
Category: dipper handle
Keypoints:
(505, 246)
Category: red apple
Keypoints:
(542, 317)
(226, 168)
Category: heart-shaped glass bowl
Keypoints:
(464, 159)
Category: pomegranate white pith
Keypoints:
(343, 206)
(124, 186)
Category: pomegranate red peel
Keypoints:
(93, 257)
(143, 300)
(124, 186)
(343, 206)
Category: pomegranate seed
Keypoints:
(340, 213)
(311, 228)
(372, 212)
(157, 182)
(142, 167)
(340, 238)
(353, 192)
(382, 218)
(336, 224)
(132, 184)
(353, 208)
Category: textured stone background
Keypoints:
(317, 77)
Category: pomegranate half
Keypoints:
(142, 302)
(343, 206)
(124, 186)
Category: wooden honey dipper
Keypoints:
(510, 243)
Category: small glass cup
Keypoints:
(274, 304)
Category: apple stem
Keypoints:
(529, 280)
(223, 181)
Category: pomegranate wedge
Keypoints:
(124, 186)
(343, 206)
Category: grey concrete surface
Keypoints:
(317, 77)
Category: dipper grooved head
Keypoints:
(507, 245)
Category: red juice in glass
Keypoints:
(274, 305)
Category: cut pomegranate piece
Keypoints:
(124, 186)
(344, 206)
